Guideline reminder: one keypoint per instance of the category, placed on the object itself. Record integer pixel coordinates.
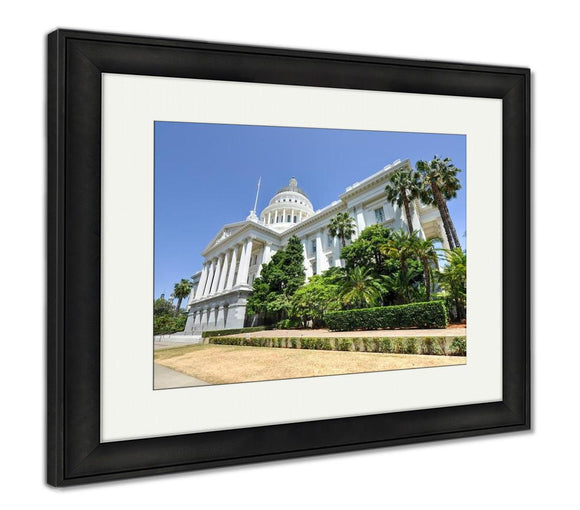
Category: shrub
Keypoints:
(398, 346)
(370, 344)
(224, 332)
(344, 344)
(410, 345)
(431, 314)
(385, 345)
(441, 342)
(288, 324)
(226, 341)
(317, 344)
(431, 345)
(459, 346)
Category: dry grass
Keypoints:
(222, 364)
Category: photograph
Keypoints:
(293, 252)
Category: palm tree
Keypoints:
(401, 246)
(359, 288)
(427, 254)
(453, 279)
(439, 184)
(181, 290)
(342, 226)
(403, 187)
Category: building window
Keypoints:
(380, 215)
(314, 267)
(313, 245)
(288, 219)
(330, 241)
(330, 261)
(295, 219)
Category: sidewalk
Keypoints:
(377, 333)
(165, 378)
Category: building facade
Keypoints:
(235, 256)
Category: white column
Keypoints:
(202, 281)
(209, 278)
(198, 321)
(232, 272)
(216, 277)
(416, 219)
(360, 219)
(249, 246)
(266, 257)
(222, 282)
(245, 263)
(307, 266)
(321, 261)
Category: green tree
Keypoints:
(181, 290)
(313, 300)
(162, 306)
(401, 246)
(453, 279)
(368, 251)
(439, 184)
(342, 226)
(427, 255)
(278, 281)
(359, 288)
(403, 187)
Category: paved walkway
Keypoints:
(378, 333)
(165, 378)
(165, 344)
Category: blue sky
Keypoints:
(206, 176)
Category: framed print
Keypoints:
(260, 253)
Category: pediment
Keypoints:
(224, 233)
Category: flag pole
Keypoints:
(257, 194)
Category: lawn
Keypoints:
(223, 364)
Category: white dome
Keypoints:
(290, 205)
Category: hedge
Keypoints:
(431, 314)
(459, 346)
(222, 332)
(399, 345)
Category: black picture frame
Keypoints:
(75, 62)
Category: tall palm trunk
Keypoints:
(444, 213)
(178, 306)
(407, 210)
(451, 226)
(343, 241)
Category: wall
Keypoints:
(538, 467)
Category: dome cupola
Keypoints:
(290, 205)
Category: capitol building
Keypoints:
(236, 254)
